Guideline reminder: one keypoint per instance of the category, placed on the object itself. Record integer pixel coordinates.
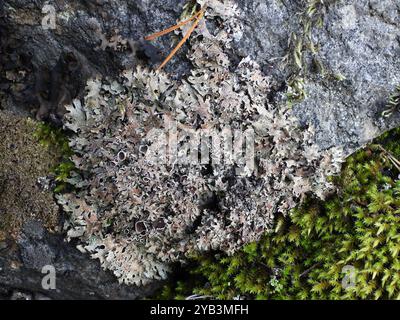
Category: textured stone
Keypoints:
(360, 40)
(77, 276)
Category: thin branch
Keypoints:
(173, 28)
(181, 43)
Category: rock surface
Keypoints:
(359, 41)
(44, 67)
(76, 276)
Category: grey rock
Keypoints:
(34, 253)
(77, 276)
(360, 40)
(267, 28)
(57, 62)
(39, 296)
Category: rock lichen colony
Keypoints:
(137, 214)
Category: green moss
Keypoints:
(313, 250)
(56, 139)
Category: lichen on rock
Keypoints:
(139, 207)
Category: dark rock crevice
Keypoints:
(77, 276)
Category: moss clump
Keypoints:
(347, 247)
(23, 161)
(56, 140)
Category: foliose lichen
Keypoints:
(141, 204)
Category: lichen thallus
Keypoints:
(196, 17)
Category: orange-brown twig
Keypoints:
(166, 31)
(197, 17)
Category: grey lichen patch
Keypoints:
(136, 214)
(23, 163)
